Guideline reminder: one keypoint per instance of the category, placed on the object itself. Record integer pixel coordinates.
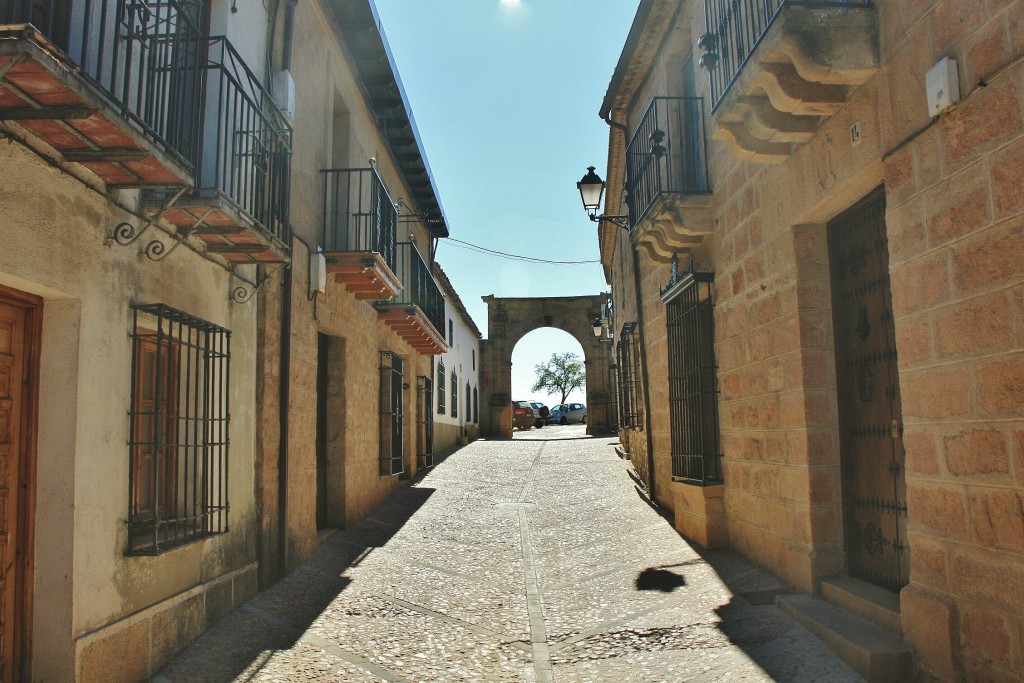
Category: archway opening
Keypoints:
(537, 348)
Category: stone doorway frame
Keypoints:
(511, 319)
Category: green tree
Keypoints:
(563, 373)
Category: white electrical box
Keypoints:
(942, 85)
(283, 87)
(317, 272)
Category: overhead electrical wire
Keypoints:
(514, 257)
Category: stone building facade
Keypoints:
(217, 310)
(821, 276)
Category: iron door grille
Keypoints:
(391, 460)
(426, 421)
(476, 406)
(692, 380)
(178, 429)
(613, 399)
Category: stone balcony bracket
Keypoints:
(800, 74)
(674, 224)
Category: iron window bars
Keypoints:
(178, 429)
(667, 154)
(418, 286)
(245, 152)
(613, 397)
(359, 215)
(693, 379)
(391, 414)
(440, 387)
(469, 404)
(476, 406)
(455, 394)
(736, 27)
(142, 56)
(425, 421)
(628, 360)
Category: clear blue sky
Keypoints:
(505, 94)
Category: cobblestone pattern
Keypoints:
(516, 560)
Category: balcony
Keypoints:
(359, 233)
(667, 188)
(779, 67)
(417, 312)
(239, 205)
(108, 84)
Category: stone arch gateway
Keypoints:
(508, 321)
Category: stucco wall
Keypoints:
(56, 246)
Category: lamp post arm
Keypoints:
(621, 221)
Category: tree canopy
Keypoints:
(563, 373)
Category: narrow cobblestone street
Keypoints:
(536, 559)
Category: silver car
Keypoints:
(564, 413)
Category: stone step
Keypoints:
(876, 654)
(866, 600)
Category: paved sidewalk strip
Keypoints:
(532, 560)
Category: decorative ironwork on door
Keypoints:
(867, 381)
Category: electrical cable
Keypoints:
(516, 257)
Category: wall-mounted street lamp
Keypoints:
(591, 189)
(598, 327)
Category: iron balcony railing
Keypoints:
(246, 142)
(358, 213)
(736, 27)
(141, 56)
(667, 154)
(418, 287)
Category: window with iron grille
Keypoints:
(613, 396)
(469, 404)
(440, 387)
(455, 394)
(628, 359)
(476, 407)
(178, 429)
(692, 379)
(391, 445)
(425, 421)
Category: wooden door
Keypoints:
(17, 348)
(867, 382)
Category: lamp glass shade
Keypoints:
(591, 189)
(598, 327)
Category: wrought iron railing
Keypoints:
(143, 57)
(667, 154)
(358, 213)
(418, 287)
(246, 142)
(736, 27)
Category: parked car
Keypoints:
(564, 413)
(540, 414)
(522, 415)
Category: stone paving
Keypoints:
(535, 559)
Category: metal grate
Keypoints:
(667, 154)
(455, 394)
(391, 414)
(736, 27)
(440, 387)
(692, 379)
(628, 360)
(425, 421)
(178, 429)
(613, 397)
(476, 406)
(358, 213)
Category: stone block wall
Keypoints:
(956, 223)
